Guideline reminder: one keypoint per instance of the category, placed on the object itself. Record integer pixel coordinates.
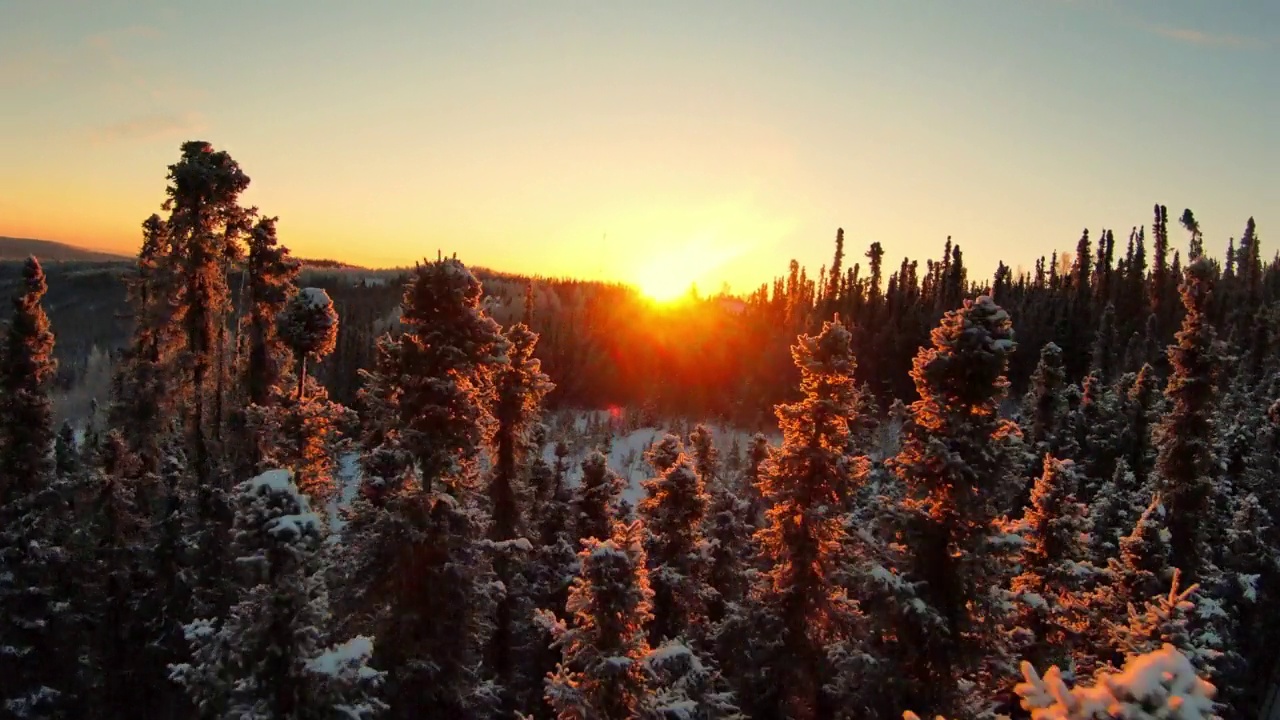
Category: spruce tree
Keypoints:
(596, 498)
(1055, 572)
(757, 454)
(36, 632)
(520, 387)
(114, 566)
(958, 463)
(672, 512)
(204, 225)
(26, 375)
(203, 230)
(1045, 407)
(272, 281)
(602, 637)
(1113, 513)
(1186, 468)
(416, 560)
(300, 429)
(144, 388)
(798, 611)
(272, 656)
(1141, 407)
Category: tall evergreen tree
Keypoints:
(26, 414)
(1186, 468)
(602, 637)
(205, 222)
(301, 429)
(271, 656)
(520, 388)
(37, 642)
(673, 511)
(1045, 406)
(416, 539)
(596, 497)
(144, 389)
(957, 465)
(273, 275)
(1054, 565)
(798, 610)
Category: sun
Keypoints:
(666, 281)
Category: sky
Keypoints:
(650, 143)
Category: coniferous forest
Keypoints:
(1041, 494)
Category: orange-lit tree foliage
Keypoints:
(1186, 467)
(960, 463)
(602, 637)
(673, 510)
(798, 612)
(519, 387)
(416, 564)
(35, 619)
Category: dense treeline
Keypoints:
(1094, 492)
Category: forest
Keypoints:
(1042, 494)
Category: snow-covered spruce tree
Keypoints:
(203, 230)
(417, 569)
(1045, 407)
(301, 429)
(271, 656)
(555, 561)
(1142, 403)
(27, 367)
(1098, 425)
(557, 551)
(37, 641)
(664, 453)
(727, 530)
(686, 687)
(1050, 591)
(144, 392)
(204, 225)
(1158, 684)
(1142, 568)
(309, 326)
(273, 275)
(798, 615)
(704, 454)
(725, 524)
(672, 510)
(596, 497)
(757, 453)
(168, 581)
(520, 386)
(1106, 346)
(602, 637)
(959, 464)
(1248, 595)
(110, 562)
(1168, 618)
(1186, 468)
(1113, 513)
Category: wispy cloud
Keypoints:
(148, 127)
(1209, 39)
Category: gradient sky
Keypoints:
(648, 141)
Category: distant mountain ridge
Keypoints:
(50, 251)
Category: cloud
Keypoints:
(148, 127)
(1208, 39)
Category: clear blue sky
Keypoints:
(708, 141)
